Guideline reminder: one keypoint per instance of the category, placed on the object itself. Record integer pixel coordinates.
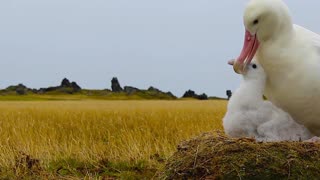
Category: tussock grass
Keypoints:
(215, 156)
(98, 138)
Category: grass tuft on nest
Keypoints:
(215, 156)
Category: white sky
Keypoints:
(174, 45)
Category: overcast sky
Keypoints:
(174, 45)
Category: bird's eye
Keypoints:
(256, 21)
(254, 66)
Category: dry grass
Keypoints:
(101, 131)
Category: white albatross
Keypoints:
(290, 56)
(249, 115)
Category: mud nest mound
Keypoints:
(215, 156)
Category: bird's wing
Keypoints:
(314, 37)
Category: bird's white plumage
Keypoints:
(314, 37)
(290, 56)
(249, 115)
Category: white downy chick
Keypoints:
(249, 115)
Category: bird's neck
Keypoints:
(250, 93)
(285, 28)
(272, 54)
(252, 87)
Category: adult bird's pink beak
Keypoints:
(250, 47)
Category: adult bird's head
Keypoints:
(264, 20)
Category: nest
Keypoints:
(215, 156)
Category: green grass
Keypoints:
(83, 95)
(123, 170)
(33, 97)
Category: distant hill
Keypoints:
(68, 90)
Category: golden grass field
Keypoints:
(98, 138)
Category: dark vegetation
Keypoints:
(229, 94)
(215, 156)
(27, 167)
(61, 92)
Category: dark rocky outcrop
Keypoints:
(115, 85)
(130, 90)
(192, 94)
(151, 88)
(189, 94)
(202, 97)
(20, 89)
(15, 87)
(65, 87)
(170, 94)
(154, 90)
(150, 93)
(65, 83)
(75, 86)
